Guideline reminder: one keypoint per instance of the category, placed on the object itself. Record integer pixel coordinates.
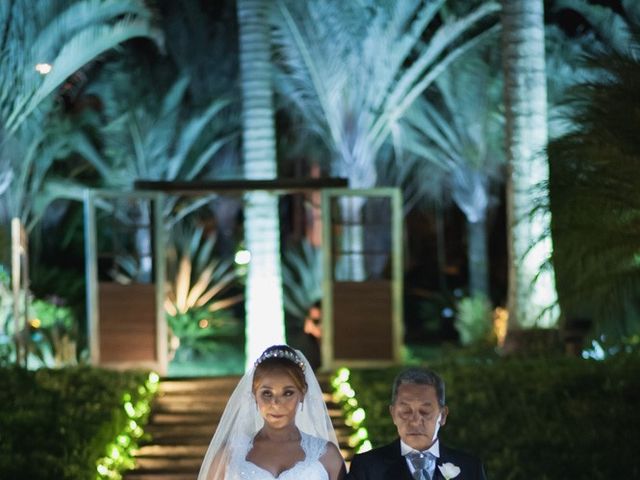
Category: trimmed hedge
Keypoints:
(57, 424)
(543, 419)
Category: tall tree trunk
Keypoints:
(531, 290)
(441, 246)
(16, 278)
(263, 299)
(478, 258)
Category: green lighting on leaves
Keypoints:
(358, 415)
(128, 407)
(345, 395)
(119, 453)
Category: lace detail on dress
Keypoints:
(310, 468)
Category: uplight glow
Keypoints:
(43, 68)
(243, 257)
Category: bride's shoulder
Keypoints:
(332, 461)
(312, 439)
(323, 447)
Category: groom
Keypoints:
(418, 411)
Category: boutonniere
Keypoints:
(449, 471)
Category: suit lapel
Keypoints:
(398, 468)
(437, 475)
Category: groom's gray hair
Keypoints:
(419, 376)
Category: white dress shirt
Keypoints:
(406, 449)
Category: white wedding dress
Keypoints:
(226, 457)
(310, 468)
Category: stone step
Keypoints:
(187, 405)
(168, 451)
(167, 440)
(140, 475)
(173, 464)
(216, 384)
(177, 431)
(169, 418)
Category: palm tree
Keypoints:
(58, 38)
(263, 301)
(531, 293)
(607, 29)
(594, 184)
(40, 49)
(458, 135)
(151, 138)
(353, 69)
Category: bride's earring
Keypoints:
(301, 406)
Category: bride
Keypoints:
(275, 425)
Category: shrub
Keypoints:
(473, 320)
(61, 423)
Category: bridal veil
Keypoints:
(241, 419)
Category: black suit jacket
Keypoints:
(387, 463)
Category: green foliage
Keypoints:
(59, 423)
(544, 418)
(199, 328)
(594, 181)
(59, 329)
(52, 330)
(352, 69)
(53, 315)
(68, 35)
(301, 279)
(202, 288)
(473, 320)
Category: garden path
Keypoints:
(184, 417)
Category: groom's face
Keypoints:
(417, 415)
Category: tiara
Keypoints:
(279, 352)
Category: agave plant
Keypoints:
(200, 288)
(197, 278)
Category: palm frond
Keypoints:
(78, 51)
(594, 180)
(301, 278)
(611, 27)
(353, 75)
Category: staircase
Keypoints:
(183, 419)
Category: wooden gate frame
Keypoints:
(327, 340)
(91, 268)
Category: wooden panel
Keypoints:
(127, 327)
(362, 321)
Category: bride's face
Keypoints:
(278, 397)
